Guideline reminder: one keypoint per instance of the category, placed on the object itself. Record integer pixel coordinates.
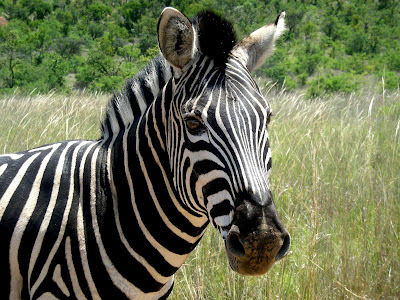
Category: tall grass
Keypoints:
(335, 180)
(35, 120)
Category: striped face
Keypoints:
(219, 152)
(223, 141)
(220, 155)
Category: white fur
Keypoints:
(258, 46)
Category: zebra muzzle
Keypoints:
(254, 250)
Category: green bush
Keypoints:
(98, 11)
(307, 59)
(108, 83)
(277, 68)
(328, 84)
(391, 81)
(393, 58)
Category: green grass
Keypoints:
(335, 180)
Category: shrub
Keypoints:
(277, 68)
(98, 11)
(328, 84)
(391, 81)
(393, 58)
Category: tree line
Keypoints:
(329, 46)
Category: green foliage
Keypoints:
(277, 68)
(14, 48)
(131, 13)
(98, 11)
(92, 39)
(393, 58)
(329, 84)
(391, 81)
(307, 58)
(357, 42)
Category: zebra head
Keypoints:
(217, 138)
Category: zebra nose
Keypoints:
(255, 252)
(259, 242)
(285, 247)
(234, 244)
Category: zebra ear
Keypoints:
(175, 37)
(259, 45)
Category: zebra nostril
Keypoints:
(284, 249)
(234, 245)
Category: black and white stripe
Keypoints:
(115, 218)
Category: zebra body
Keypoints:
(183, 144)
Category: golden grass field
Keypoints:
(335, 181)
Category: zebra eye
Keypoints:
(193, 125)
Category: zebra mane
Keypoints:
(130, 103)
(216, 38)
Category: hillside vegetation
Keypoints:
(87, 44)
(335, 182)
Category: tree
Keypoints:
(47, 31)
(131, 13)
(98, 11)
(13, 51)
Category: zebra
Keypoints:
(183, 144)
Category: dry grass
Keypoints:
(31, 121)
(335, 180)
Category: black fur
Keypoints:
(277, 19)
(216, 36)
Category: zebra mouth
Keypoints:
(256, 253)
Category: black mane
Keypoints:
(216, 36)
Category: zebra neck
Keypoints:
(142, 192)
(148, 216)
(139, 173)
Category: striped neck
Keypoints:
(144, 198)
